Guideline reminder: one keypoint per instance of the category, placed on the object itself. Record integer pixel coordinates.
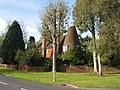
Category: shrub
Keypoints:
(30, 57)
(20, 58)
(114, 60)
(47, 64)
(1, 60)
(73, 57)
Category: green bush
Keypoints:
(47, 64)
(30, 57)
(33, 57)
(20, 58)
(114, 60)
(73, 57)
(1, 60)
(76, 57)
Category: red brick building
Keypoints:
(68, 41)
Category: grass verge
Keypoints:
(77, 79)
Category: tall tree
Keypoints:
(52, 24)
(1, 40)
(109, 30)
(31, 52)
(84, 16)
(12, 42)
(89, 12)
(62, 11)
(31, 43)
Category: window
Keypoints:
(47, 51)
(65, 48)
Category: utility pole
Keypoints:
(54, 58)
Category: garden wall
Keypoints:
(21, 68)
(68, 69)
(87, 69)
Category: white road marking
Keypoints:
(23, 89)
(3, 83)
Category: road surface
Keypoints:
(9, 83)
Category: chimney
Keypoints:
(43, 46)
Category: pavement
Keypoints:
(78, 88)
(9, 83)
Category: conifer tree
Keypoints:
(12, 43)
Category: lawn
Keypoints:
(77, 79)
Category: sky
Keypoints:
(26, 12)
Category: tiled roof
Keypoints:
(50, 44)
(71, 39)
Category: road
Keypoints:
(9, 83)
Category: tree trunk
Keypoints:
(99, 65)
(54, 58)
(94, 54)
(95, 62)
(94, 47)
(58, 41)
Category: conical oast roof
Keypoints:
(71, 39)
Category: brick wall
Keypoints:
(87, 69)
(21, 68)
(68, 69)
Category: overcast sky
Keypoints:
(24, 11)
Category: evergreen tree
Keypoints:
(33, 56)
(1, 40)
(31, 43)
(12, 43)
